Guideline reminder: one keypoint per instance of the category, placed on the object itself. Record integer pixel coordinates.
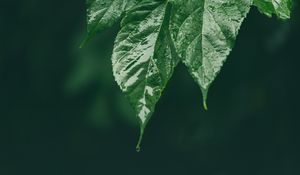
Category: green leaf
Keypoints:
(281, 8)
(102, 14)
(204, 33)
(142, 57)
(155, 34)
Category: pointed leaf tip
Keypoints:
(138, 145)
(204, 94)
(83, 42)
(205, 106)
(203, 33)
(138, 149)
(142, 59)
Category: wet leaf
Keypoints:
(281, 8)
(204, 33)
(142, 57)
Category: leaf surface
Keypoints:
(204, 33)
(281, 8)
(156, 34)
(102, 14)
(142, 57)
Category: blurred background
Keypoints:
(61, 113)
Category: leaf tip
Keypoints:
(138, 145)
(205, 105)
(82, 44)
(85, 40)
(138, 148)
(204, 93)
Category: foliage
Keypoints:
(157, 34)
(281, 8)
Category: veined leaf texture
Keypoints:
(156, 35)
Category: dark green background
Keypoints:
(62, 113)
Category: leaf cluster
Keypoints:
(156, 35)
